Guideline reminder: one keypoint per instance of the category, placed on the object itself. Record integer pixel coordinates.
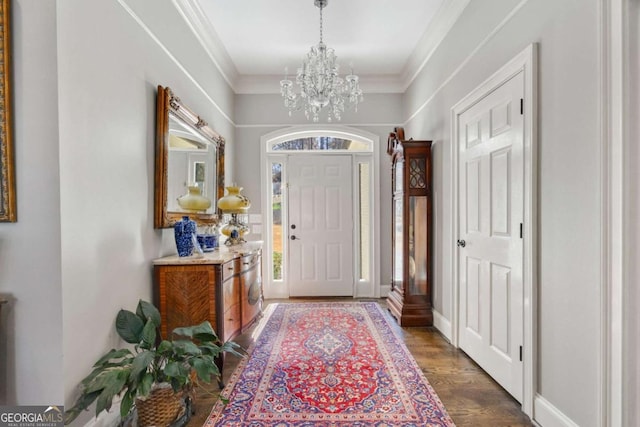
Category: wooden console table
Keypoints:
(223, 287)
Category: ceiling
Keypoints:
(386, 42)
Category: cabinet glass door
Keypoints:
(399, 177)
(418, 273)
(398, 243)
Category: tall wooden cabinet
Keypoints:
(410, 298)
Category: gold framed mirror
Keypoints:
(8, 204)
(189, 153)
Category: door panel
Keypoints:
(491, 210)
(320, 209)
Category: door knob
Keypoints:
(294, 238)
(462, 243)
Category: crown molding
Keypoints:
(269, 84)
(196, 19)
(439, 27)
(165, 49)
(201, 27)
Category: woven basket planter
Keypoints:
(161, 408)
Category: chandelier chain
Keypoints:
(321, 24)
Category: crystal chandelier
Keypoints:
(320, 84)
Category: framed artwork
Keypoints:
(7, 173)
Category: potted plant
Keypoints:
(158, 375)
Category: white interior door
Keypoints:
(320, 226)
(491, 186)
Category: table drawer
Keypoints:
(247, 262)
(229, 269)
(230, 292)
(232, 322)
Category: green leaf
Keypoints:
(145, 385)
(165, 347)
(141, 364)
(123, 364)
(210, 349)
(147, 311)
(91, 377)
(84, 401)
(203, 332)
(129, 326)
(184, 347)
(172, 369)
(205, 369)
(103, 380)
(177, 370)
(113, 387)
(148, 335)
(233, 348)
(127, 403)
(176, 384)
(112, 354)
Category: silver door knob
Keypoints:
(462, 243)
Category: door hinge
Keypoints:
(521, 106)
(521, 230)
(521, 353)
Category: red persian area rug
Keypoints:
(328, 364)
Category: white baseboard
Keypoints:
(442, 324)
(109, 418)
(384, 290)
(547, 415)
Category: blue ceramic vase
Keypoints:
(184, 230)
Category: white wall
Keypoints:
(569, 182)
(31, 339)
(108, 71)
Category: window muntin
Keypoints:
(321, 143)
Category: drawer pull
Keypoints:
(246, 263)
(229, 268)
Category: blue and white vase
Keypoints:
(184, 230)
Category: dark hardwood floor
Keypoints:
(470, 396)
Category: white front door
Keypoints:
(491, 185)
(320, 226)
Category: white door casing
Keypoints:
(365, 188)
(525, 64)
(320, 209)
(490, 138)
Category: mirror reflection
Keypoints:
(191, 163)
(189, 176)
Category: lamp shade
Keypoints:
(194, 201)
(234, 202)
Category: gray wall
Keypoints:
(31, 334)
(85, 84)
(631, 348)
(569, 181)
(109, 69)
